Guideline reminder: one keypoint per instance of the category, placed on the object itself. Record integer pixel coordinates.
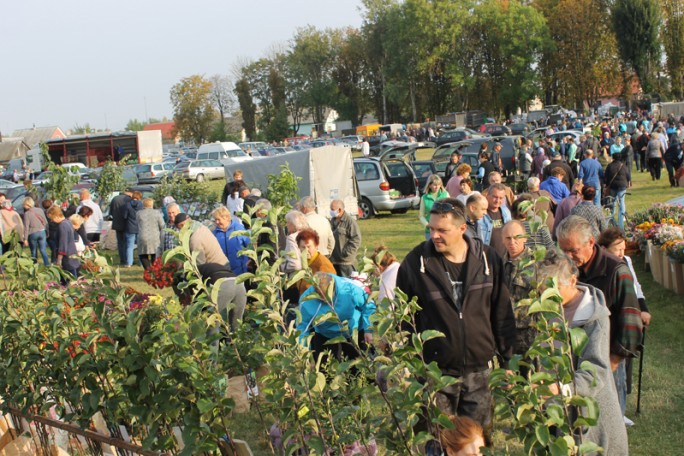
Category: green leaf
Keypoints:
(578, 339)
(589, 447)
(543, 434)
(430, 334)
(204, 405)
(320, 383)
(303, 411)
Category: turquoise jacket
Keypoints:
(351, 303)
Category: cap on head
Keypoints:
(180, 218)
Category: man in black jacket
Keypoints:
(117, 210)
(459, 283)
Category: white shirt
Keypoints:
(365, 148)
(235, 205)
(94, 224)
(388, 282)
(321, 225)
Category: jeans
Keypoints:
(620, 378)
(619, 196)
(52, 243)
(121, 245)
(38, 241)
(597, 186)
(130, 247)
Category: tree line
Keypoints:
(412, 60)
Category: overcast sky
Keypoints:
(75, 61)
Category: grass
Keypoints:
(658, 427)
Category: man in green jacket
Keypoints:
(347, 239)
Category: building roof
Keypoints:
(12, 150)
(37, 135)
(167, 129)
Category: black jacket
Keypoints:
(617, 175)
(477, 329)
(132, 209)
(118, 209)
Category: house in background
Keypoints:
(34, 136)
(12, 149)
(168, 131)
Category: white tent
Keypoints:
(327, 173)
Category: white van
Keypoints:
(225, 152)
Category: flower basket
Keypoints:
(666, 274)
(655, 262)
(677, 275)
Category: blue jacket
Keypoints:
(556, 187)
(351, 303)
(591, 172)
(486, 224)
(231, 246)
(130, 213)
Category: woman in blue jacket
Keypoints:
(352, 306)
(226, 225)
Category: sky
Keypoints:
(73, 62)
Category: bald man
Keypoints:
(93, 226)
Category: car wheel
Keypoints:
(366, 210)
(200, 178)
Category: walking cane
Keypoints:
(641, 369)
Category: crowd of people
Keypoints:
(468, 275)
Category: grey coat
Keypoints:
(593, 315)
(150, 231)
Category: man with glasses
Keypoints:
(459, 285)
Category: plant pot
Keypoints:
(655, 262)
(667, 274)
(677, 270)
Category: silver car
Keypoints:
(385, 185)
(153, 173)
(200, 170)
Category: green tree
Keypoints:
(278, 126)
(636, 24)
(311, 59)
(673, 42)
(247, 107)
(135, 125)
(193, 109)
(83, 129)
(511, 38)
(111, 180)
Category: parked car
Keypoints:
(4, 183)
(200, 170)
(283, 150)
(519, 128)
(496, 130)
(251, 147)
(355, 141)
(385, 185)
(225, 152)
(153, 173)
(509, 151)
(455, 135)
(442, 156)
(423, 169)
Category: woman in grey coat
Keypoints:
(150, 232)
(584, 306)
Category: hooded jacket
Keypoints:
(474, 329)
(131, 216)
(593, 315)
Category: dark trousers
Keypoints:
(671, 169)
(52, 243)
(470, 397)
(121, 245)
(344, 270)
(147, 260)
(654, 166)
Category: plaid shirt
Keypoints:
(169, 240)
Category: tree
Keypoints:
(82, 129)
(111, 180)
(673, 42)
(135, 125)
(247, 106)
(193, 109)
(223, 98)
(278, 127)
(636, 24)
(311, 59)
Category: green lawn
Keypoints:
(658, 428)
